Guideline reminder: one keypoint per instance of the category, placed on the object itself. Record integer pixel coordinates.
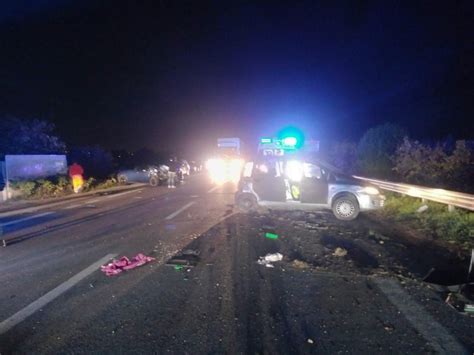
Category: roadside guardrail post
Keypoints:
(451, 208)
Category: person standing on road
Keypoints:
(173, 166)
(75, 173)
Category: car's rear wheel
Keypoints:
(346, 208)
(154, 181)
(122, 179)
(246, 202)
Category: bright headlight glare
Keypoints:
(371, 190)
(223, 170)
(236, 163)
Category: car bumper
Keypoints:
(371, 202)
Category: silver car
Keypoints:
(295, 184)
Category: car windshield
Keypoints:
(236, 177)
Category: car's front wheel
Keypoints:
(246, 202)
(154, 181)
(346, 208)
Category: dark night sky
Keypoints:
(166, 72)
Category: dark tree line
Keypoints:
(386, 152)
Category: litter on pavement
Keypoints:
(271, 235)
(268, 259)
(422, 209)
(455, 300)
(299, 264)
(340, 252)
(124, 263)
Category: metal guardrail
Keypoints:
(450, 198)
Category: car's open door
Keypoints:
(268, 183)
(314, 185)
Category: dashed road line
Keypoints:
(25, 219)
(73, 206)
(122, 193)
(174, 214)
(24, 313)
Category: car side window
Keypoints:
(313, 171)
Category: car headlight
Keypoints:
(371, 190)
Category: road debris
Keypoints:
(310, 341)
(340, 252)
(191, 252)
(124, 263)
(299, 264)
(268, 259)
(454, 301)
(271, 235)
(186, 258)
(422, 209)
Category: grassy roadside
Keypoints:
(56, 187)
(455, 227)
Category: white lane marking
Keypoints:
(88, 202)
(121, 194)
(213, 189)
(174, 214)
(72, 206)
(25, 219)
(440, 338)
(24, 313)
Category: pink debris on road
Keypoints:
(124, 263)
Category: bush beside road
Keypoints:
(56, 187)
(434, 220)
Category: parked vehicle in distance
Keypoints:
(195, 166)
(297, 184)
(155, 175)
(158, 175)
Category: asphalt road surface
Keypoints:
(340, 287)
